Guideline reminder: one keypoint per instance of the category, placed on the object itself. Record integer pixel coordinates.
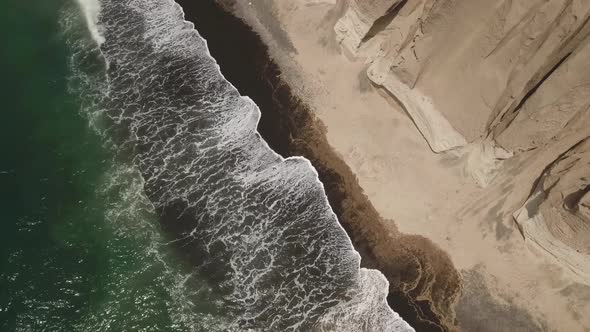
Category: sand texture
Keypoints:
(556, 217)
(464, 122)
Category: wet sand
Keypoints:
(423, 283)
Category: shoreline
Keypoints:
(423, 284)
(508, 284)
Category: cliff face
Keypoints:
(501, 78)
(492, 53)
(557, 216)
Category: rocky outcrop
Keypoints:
(556, 217)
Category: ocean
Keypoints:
(81, 247)
(138, 195)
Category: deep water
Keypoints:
(80, 246)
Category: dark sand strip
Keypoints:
(424, 285)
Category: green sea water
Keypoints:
(80, 246)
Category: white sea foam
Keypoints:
(91, 11)
(131, 216)
(233, 176)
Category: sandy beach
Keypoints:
(507, 285)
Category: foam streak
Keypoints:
(257, 225)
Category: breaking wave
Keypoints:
(257, 227)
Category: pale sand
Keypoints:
(424, 193)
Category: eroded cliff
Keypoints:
(491, 80)
(557, 217)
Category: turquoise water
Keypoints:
(80, 245)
